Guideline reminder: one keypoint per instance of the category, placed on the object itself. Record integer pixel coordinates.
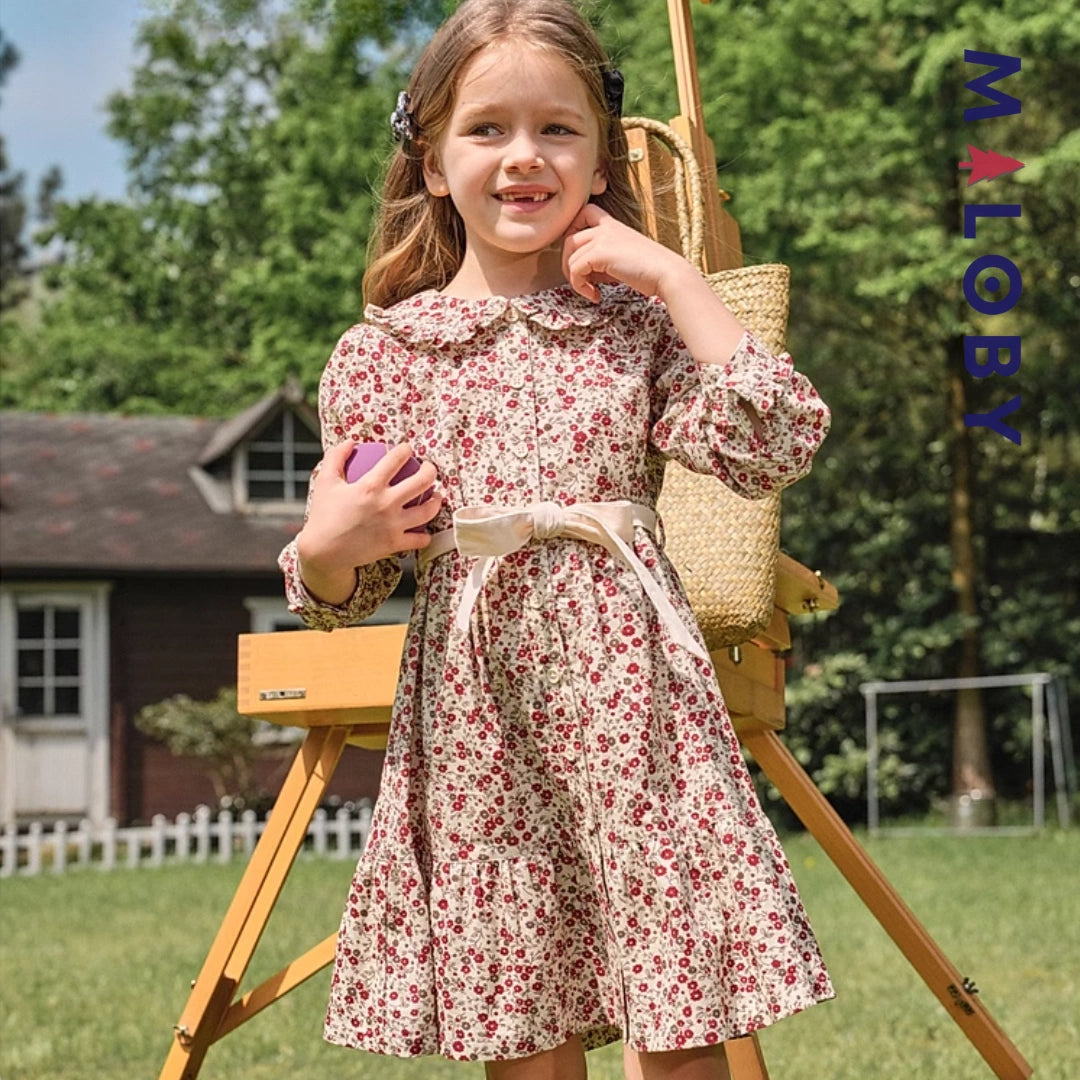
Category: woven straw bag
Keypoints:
(724, 547)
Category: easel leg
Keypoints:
(745, 1059)
(240, 930)
(922, 952)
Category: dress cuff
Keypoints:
(310, 601)
(320, 615)
(753, 373)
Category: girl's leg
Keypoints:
(565, 1062)
(700, 1063)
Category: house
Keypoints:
(133, 551)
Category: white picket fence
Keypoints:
(196, 838)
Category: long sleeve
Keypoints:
(697, 419)
(343, 414)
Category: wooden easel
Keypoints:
(340, 687)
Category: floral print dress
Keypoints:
(566, 839)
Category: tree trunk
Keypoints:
(971, 755)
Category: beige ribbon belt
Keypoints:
(488, 533)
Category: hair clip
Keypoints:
(402, 123)
(613, 90)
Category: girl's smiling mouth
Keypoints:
(523, 196)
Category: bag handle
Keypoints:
(689, 194)
(757, 295)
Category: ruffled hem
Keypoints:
(496, 961)
(735, 952)
(430, 318)
(504, 958)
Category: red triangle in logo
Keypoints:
(986, 164)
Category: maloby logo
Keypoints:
(986, 165)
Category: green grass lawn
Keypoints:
(95, 968)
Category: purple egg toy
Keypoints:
(366, 455)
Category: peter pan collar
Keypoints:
(430, 318)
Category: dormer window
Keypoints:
(260, 461)
(273, 469)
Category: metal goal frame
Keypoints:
(1049, 716)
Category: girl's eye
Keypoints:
(488, 130)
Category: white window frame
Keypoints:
(291, 425)
(267, 610)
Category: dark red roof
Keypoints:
(101, 493)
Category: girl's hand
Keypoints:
(352, 525)
(600, 248)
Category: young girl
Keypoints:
(567, 849)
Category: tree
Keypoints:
(212, 731)
(13, 251)
(254, 131)
(14, 254)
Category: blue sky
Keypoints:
(74, 53)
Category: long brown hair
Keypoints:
(419, 240)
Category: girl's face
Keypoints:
(520, 156)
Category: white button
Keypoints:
(521, 449)
(511, 314)
(555, 674)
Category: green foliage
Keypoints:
(255, 134)
(13, 250)
(838, 131)
(211, 730)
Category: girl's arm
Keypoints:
(722, 402)
(345, 561)
(753, 421)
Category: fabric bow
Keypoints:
(488, 533)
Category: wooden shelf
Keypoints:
(311, 678)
